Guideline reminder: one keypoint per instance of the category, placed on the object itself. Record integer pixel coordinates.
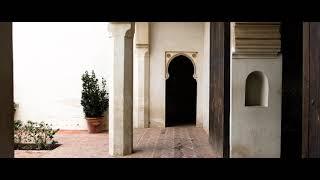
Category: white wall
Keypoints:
(49, 59)
(256, 130)
(172, 36)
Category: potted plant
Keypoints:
(95, 101)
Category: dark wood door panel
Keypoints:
(314, 119)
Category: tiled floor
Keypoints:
(173, 142)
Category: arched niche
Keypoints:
(257, 89)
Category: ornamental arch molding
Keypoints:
(191, 55)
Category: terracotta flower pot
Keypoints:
(95, 125)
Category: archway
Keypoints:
(181, 92)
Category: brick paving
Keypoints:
(172, 142)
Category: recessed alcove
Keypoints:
(257, 89)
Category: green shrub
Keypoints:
(18, 132)
(39, 134)
(94, 99)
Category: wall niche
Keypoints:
(257, 89)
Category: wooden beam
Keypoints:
(219, 87)
(305, 94)
(314, 91)
(6, 91)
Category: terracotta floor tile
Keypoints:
(172, 142)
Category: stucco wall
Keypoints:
(255, 130)
(172, 36)
(49, 59)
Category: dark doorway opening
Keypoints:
(181, 93)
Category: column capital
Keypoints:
(122, 29)
(142, 52)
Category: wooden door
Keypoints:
(311, 91)
(314, 91)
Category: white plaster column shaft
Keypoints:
(141, 100)
(141, 76)
(121, 95)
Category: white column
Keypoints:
(6, 91)
(141, 76)
(121, 99)
(141, 91)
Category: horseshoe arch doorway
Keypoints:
(181, 92)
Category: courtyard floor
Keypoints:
(172, 142)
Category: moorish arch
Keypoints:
(171, 55)
(181, 92)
